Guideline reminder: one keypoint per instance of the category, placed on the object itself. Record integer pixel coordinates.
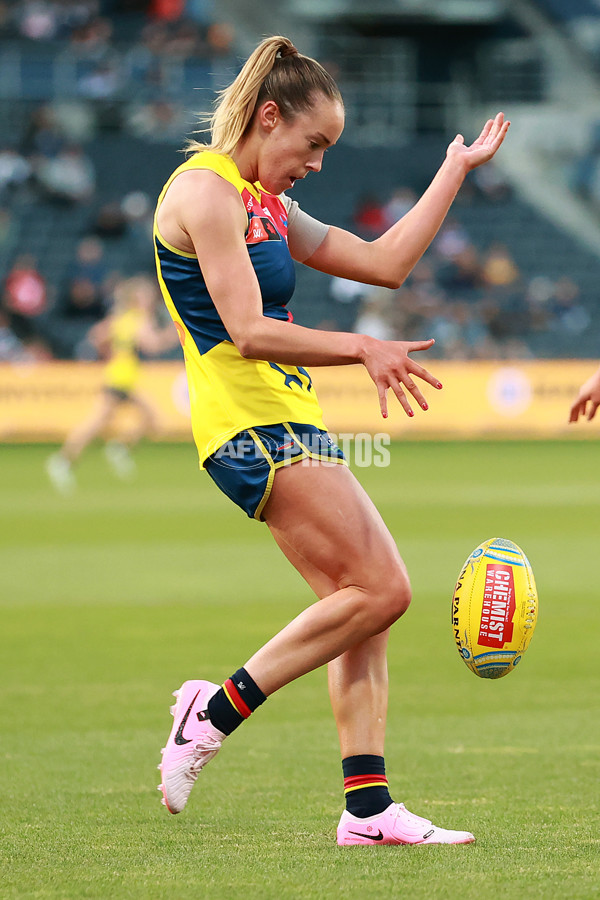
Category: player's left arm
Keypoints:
(389, 259)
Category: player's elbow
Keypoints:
(393, 282)
(245, 349)
(394, 274)
(247, 343)
(391, 273)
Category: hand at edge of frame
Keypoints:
(588, 393)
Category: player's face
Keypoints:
(293, 149)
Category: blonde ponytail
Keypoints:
(274, 71)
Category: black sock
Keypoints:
(365, 785)
(234, 702)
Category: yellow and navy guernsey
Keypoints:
(229, 394)
(122, 370)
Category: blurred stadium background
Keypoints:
(112, 596)
(96, 97)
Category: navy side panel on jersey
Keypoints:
(274, 269)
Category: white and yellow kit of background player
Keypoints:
(122, 370)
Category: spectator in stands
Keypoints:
(185, 41)
(5, 18)
(83, 302)
(506, 321)
(25, 296)
(567, 310)
(37, 20)
(220, 38)
(167, 10)
(78, 13)
(110, 221)
(157, 121)
(15, 171)
(101, 82)
(445, 329)
(85, 294)
(491, 184)
(374, 317)
(347, 296)
(43, 136)
(462, 274)
(142, 61)
(369, 217)
(8, 234)
(538, 296)
(90, 263)
(139, 214)
(402, 199)
(11, 348)
(471, 334)
(588, 399)
(68, 178)
(423, 281)
(92, 41)
(201, 11)
(499, 269)
(451, 240)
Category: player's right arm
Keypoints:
(589, 393)
(203, 214)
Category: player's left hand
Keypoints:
(588, 393)
(484, 148)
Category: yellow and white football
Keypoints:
(494, 608)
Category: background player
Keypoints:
(129, 330)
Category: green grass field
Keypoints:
(112, 597)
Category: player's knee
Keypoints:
(394, 598)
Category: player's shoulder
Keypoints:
(194, 183)
(204, 197)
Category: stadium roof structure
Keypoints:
(448, 11)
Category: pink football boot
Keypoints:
(395, 825)
(192, 743)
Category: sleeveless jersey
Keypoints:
(228, 393)
(122, 369)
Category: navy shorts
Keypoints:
(244, 467)
(117, 393)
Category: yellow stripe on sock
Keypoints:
(359, 787)
(230, 700)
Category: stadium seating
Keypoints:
(36, 71)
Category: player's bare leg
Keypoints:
(322, 514)
(147, 422)
(118, 451)
(328, 527)
(358, 679)
(358, 689)
(91, 428)
(353, 564)
(358, 686)
(59, 466)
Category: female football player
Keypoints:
(129, 330)
(225, 237)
